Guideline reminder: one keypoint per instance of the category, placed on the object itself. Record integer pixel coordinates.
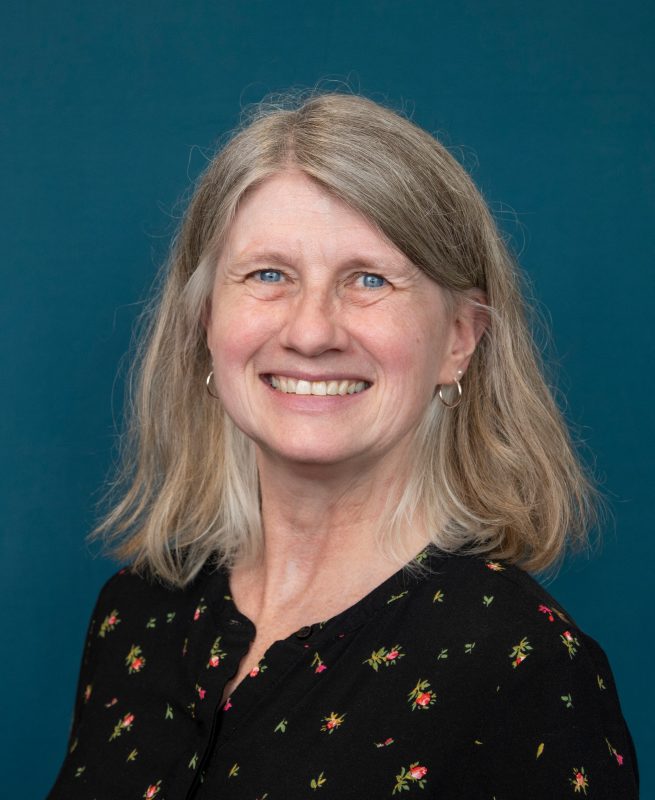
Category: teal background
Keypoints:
(106, 111)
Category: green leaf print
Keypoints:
(395, 597)
(281, 727)
(487, 600)
(568, 700)
(317, 783)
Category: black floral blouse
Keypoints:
(470, 682)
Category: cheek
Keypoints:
(235, 335)
(408, 346)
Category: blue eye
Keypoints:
(269, 275)
(371, 281)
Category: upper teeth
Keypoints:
(293, 386)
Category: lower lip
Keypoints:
(314, 402)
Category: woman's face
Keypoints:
(327, 343)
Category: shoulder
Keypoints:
(509, 615)
(136, 598)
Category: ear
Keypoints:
(470, 319)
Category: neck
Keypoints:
(319, 533)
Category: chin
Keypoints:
(309, 456)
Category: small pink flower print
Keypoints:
(201, 692)
(570, 642)
(613, 751)
(334, 721)
(388, 741)
(109, 623)
(580, 781)
(152, 791)
(494, 566)
(387, 657)
(412, 775)
(545, 610)
(418, 772)
(200, 610)
(424, 699)
(228, 704)
(520, 652)
(254, 672)
(111, 702)
(135, 661)
(123, 724)
(422, 696)
(317, 663)
(215, 654)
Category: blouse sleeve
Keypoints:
(90, 655)
(556, 729)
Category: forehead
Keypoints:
(291, 211)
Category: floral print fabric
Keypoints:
(467, 682)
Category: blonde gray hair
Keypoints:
(498, 475)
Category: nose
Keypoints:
(313, 324)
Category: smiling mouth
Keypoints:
(319, 388)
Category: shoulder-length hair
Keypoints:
(497, 475)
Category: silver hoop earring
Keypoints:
(459, 396)
(207, 382)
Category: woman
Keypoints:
(343, 460)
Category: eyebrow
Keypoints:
(277, 257)
(281, 259)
